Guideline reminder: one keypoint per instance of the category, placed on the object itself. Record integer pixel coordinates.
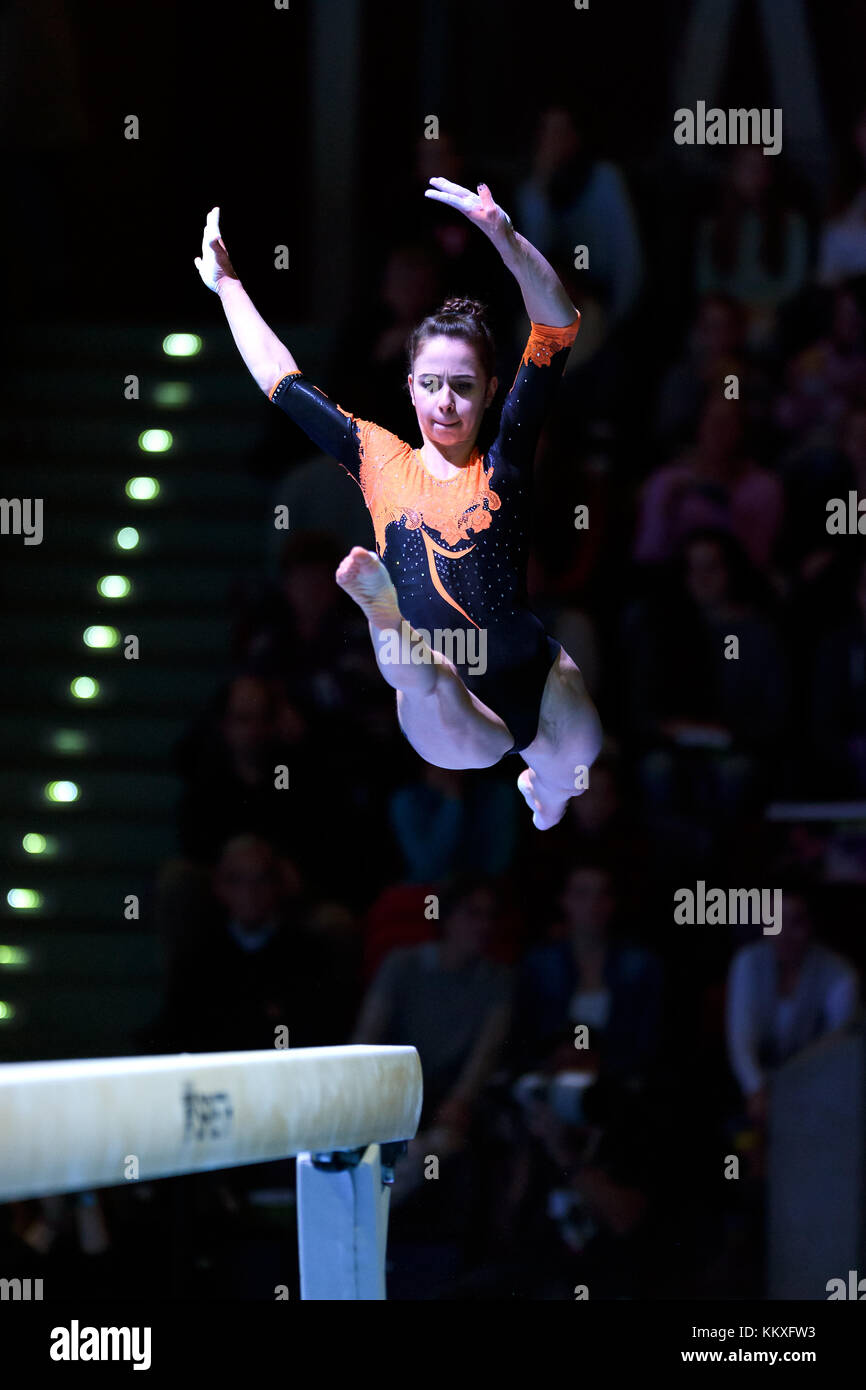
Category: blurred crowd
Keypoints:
(587, 1062)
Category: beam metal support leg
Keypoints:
(343, 1202)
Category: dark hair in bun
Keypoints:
(467, 308)
(458, 317)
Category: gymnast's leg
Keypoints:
(569, 737)
(445, 723)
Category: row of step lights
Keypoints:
(167, 395)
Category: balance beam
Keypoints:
(73, 1126)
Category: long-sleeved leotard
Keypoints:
(456, 549)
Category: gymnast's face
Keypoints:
(449, 392)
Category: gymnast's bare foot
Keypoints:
(546, 804)
(366, 580)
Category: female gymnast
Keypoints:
(451, 524)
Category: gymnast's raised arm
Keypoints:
(266, 357)
(544, 294)
(272, 366)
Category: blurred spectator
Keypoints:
(448, 999)
(576, 560)
(256, 965)
(715, 349)
(709, 723)
(839, 699)
(829, 376)
(829, 466)
(714, 484)
(599, 825)
(588, 974)
(305, 631)
(599, 1183)
(783, 994)
(581, 1110)
(754, 246)
(450, 823)
(399, 916)
(572, 199)
(228, 762)
(842, 248)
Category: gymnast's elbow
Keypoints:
(267, 378)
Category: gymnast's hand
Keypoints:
(478, 207)
(213, 264)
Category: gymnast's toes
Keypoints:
(545, 813)
(366, 580)
(361, 573)
(525, 783)
(355, 564)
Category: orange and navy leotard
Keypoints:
(456, 549)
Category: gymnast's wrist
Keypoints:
(507, 242)
(226, 279)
